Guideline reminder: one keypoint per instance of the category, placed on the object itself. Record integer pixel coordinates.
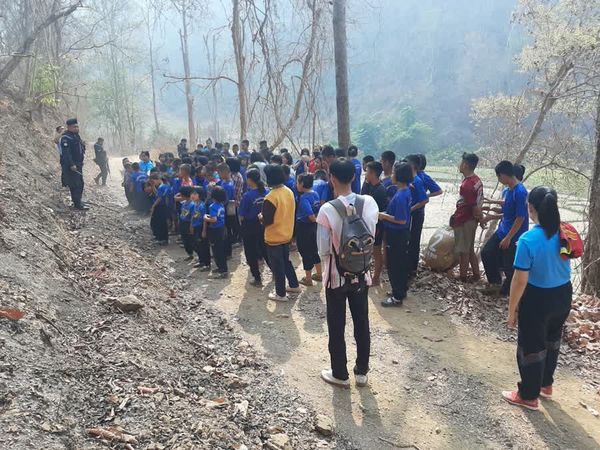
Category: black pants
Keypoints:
(230, 233)
(254, 245)
(103, 173)
(202, 247)
(306, 240)
(282, 268)
(496, 260)
(159, 224)
(542, 314)
(187, 238)
(398, 264)
(216, 237)
(74, 179)
(417, 219)
(357, 297)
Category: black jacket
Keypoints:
(73, 150)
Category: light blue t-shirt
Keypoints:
(540, 256)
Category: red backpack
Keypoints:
(571, 244)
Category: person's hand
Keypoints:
(73, 168)
(206, 216)
(260, 217)
(381, 216)
(511, 323)
(505, 243)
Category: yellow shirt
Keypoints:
(282, 228)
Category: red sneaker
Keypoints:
(514, 398)
(546, 392)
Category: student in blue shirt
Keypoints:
(215, 231)
(253, 233)
(388, 159)
(159, 213)
(433, 189)
(540, 300)
(145, 164)
(185, 221)
(308, 207)
(201, 244)
(396, 222)
(356, 183)
(417, 214)
(142, 198)
(321, 185)
(499, 251)
(226, 182)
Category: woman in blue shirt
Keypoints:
(307, 209)
(540, 300)
(253, 233)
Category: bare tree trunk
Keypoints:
(153, 78)
(238, 48)
(591, 258)
(187, 82)
(341, 73)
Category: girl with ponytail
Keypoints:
(251, 229)
(540, 300)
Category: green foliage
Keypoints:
(403, 134)
(44, 84)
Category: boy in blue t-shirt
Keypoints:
(396, 222)
(388, 159)
(308, 207)
(433, 189)
(201, 244)
(417, 214)
(215, 230)
(498, 253)
(159, 212)
(226, 182)
(185, 221)
(353, 153)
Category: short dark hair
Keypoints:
(423, 159)
(471, 160)
(375, 167)
(223, 167)
(256, 157)
(186, 167)
(246, 141)
(389, 156)
(276, 159)
(288, 158)
(286, 170)
(155, 176)
(135, 166)
(186, 191)
(519, 171)
(340, 153)
(505, 168)
(353, 151)
(275, 174)
(327, 151)
(234, 164)
(321, 175)
(367, 159)
(414, 161)
(200, 191)
(403, 172)
(342, 170)
(145, 152)
(306, 180)
(218, 194)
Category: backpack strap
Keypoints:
(339, 207)
(358, 205)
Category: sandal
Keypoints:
(305, 282)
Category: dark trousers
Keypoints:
(282, 268)
(496, 260)
(202, 247)
(230, 233)
(128, 195)
(398, 264)
(306, 240)
(74, 179)
(216, 237)
(357, 297)
(417, 219)
(254, 245)
(103, 173)
(187, 238)
(159, 224)
(542, 314)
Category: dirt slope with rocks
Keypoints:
(113, 351)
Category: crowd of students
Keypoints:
(218, 196)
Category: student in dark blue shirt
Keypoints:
(396, 222)
(321, 185)
(540, 300)
(353, 153)
(201, 244)
(498, 253)
(417, 213)
(433, 189)
(388, 159)
(215, 220)
(253, 233)
(226, 183)
(159, 211)
(308, 207)
(185, 221)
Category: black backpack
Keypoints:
(356, 241)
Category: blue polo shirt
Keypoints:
(390, 187)
(187, 209)
(430, 184)
(229, 188)
(308, 205)
(162, 193)
(321, 187)
(399, 208)
(418, 193)
(251, 204)
(198, 212)
(515, 205)
(540, 256)
(217, 210)
(146, 166)
(357, 174)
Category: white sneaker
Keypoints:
(295, 290)
(361, 380)
(327, 375)
(276, 298)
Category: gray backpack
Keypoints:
(356, 241)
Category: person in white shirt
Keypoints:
(338, 289)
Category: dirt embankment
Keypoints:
(158, 369)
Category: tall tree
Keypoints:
(183, 7)
(341, 72)
(237, 38)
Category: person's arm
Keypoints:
(389, 218)
(268, 213)
(209, 219)
(66, 153)
(431, 185)
(517, 289)
(419, 205)
(323, 235)
(312, 218)
(505, 243)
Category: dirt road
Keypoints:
(434, 383)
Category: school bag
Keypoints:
(356, 241)
(571, 244)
